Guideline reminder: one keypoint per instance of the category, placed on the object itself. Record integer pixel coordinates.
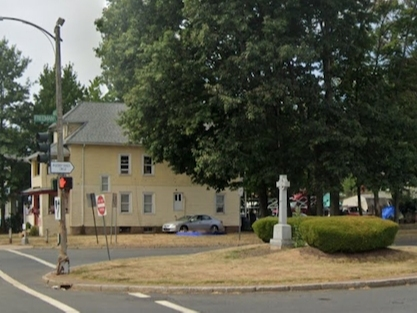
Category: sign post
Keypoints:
(101, 211)
(91, 197)
(113, 210)
(240, 192)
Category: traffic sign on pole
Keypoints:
(57, 208)
(61, 167)
(101, 205)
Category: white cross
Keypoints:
(283, 185)
(283, 182)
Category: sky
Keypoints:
(79, 35)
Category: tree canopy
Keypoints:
(15, 112)
(317, 90)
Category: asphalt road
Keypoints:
(22, 290)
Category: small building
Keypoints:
(140, 195)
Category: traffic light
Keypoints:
(44, 147)
(65, 183)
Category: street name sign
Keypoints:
(44, 118)
(61, 167)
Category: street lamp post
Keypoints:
(63, 257)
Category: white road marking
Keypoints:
(59, 305)
(175, 307)
(139, 295)
(33, 258)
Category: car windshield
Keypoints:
(184, 218)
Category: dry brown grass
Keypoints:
(141, 240)
(242, 262)
(251, 265)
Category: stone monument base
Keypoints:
(282, 237)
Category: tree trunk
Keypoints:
(395, 199)
(377, 209)
(358, 193)
(263, 200)
(334, 203)
(319, 202)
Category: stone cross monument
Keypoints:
(282, 231)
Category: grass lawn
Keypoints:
(247, 261)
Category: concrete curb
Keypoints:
(344, 285)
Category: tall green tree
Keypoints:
(72, 90)
(254, 89)
(14, 113)
(96, 91)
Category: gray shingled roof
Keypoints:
(99, 121)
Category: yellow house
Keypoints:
(140, 195)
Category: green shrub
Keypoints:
(34, 231)
(28, 226)
(264, 228)
(349, 234)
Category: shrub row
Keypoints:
(348, 234)
(264, 228)
(334, 234)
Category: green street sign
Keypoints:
(45, 119)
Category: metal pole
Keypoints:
(92, 199)
(105, 235)
(111, 224)
(25, 240)
(63, 257)
(116, 230)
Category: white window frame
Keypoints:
(223, 203)
(102, 184)
(128, 165)
(144, 195)
(152, 166)
(129, 194)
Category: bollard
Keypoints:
(10, 236)
(47, 235)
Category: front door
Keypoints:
(178, 201)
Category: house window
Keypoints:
(125, 203)
(148, 203)
(124, 164)
(148, 166)
(219, 203)
(105, 183)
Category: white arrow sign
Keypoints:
(57, 207)
(61, 167)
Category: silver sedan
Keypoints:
(201, 222)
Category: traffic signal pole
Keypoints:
(63, 257)
(62, 193)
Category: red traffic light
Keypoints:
(65, 183)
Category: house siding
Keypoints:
(95, 142)
(91, 162)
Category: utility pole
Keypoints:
(63, 257)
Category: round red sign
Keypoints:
(101, 206)
(100, 201)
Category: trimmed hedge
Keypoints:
(264, 228)
(348, 234)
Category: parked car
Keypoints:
(201, 222)
(175, 226)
